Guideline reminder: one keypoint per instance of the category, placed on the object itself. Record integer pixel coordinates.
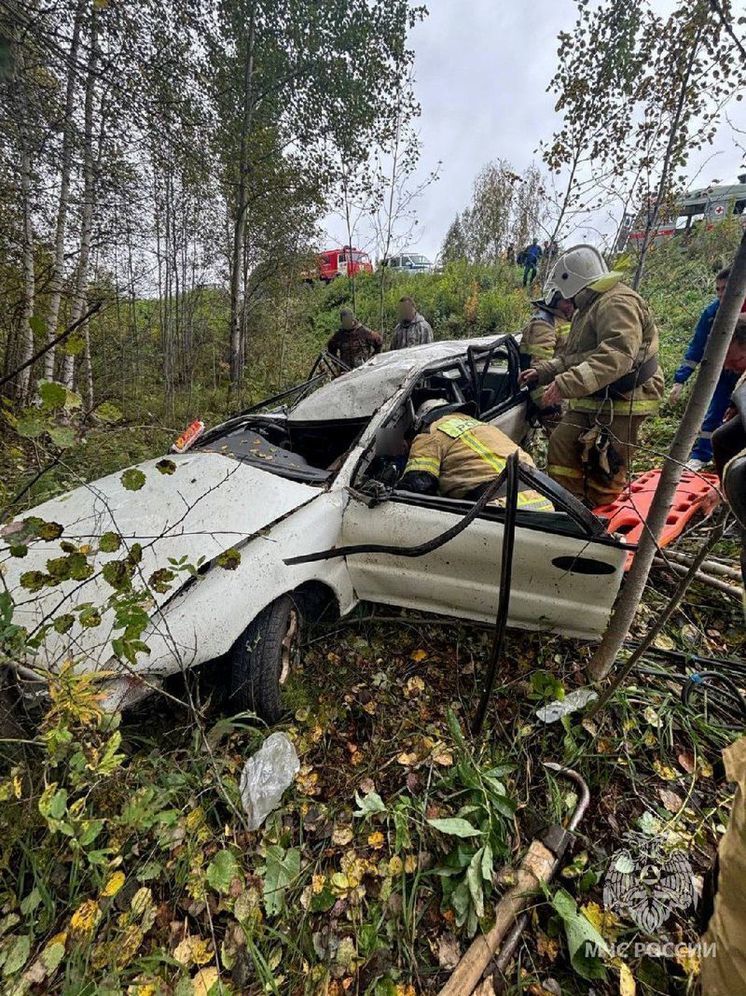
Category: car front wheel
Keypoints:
(263, 657)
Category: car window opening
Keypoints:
(309, 452)
(383, 463)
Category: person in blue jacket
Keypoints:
(702, 451)
(531, 256)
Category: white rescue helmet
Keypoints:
(574, 270)
(424, 410)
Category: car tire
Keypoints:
(262, 658)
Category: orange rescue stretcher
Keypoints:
(696, 494)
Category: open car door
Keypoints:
(493, 372)
(566, 569)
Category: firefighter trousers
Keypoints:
(564, 460)
(724, 948)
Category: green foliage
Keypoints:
(281, 869)
(229, 560)
(583, 940)
(133, 479)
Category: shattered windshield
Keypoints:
(309, 453)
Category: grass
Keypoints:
(370, 901)
(127, 865)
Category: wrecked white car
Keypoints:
(181, 561)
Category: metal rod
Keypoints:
(716, 583)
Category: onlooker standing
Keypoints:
(353, 342)
(735, 363)
(412, 329)
(531, 257)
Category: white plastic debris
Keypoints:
(265, 777)
(563, 707)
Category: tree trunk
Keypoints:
(704, 387)
(55, 281)
(675, 134)
(86, 220)
(389, 222)
(239, 226)
(25, 344)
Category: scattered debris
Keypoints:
(265, 777)
(576, 700)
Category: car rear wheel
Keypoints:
(263, 658)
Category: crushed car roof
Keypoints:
(359, 393)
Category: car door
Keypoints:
(493, 372)
(566, 573)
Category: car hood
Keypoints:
(189, 508)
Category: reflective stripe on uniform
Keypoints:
(538, 352)
(556, 470)
(562, 329)
(639, 407)
(427, 464)
(455, 427)
(497, 463)
(533, 501)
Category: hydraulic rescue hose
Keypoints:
(506, 569)
(407, 551)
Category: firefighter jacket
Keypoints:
(542, 338)
(612, 334)
(462, 454)
(724, 961)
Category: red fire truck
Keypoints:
(344, 262)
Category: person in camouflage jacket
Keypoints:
(353, 342)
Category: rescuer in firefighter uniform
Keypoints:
(609, 375)
(459, 457)
(543, 337)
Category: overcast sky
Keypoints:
(482, 68)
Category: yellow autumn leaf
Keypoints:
(342, 836)
(193, 950)
(407, 758)
(548, 947)
(405, 990)
(317, 884)
(664, 771)
(413, 687)
(307, 781)
(689, 960)
(84, 919)
(128, 945)
(204, 980)
(396, 865)
(418, 655)
(603, 920)
(443, 757)
(114, 884)
(375, 840)
(410, 864)
(627, 984)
